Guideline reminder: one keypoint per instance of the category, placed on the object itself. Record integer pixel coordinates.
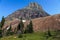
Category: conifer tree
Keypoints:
(20, 29)
(21, 25)
(49, 33)
(0, 25)
(29, 28)
(0, 31)
(2, 21)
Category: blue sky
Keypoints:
(9, 6)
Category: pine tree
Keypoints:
(29, 28)
(0, 25)
(21, 26)
(0, 31)
(2, 21)
(49, 33)
(20, 29)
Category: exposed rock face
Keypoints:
(33, 10)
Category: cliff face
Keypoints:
(33, 10)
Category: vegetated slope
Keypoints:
(41, 24)
(32, 36)
(33, 10)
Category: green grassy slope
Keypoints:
(33, 36)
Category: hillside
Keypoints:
(40, 24)
(32, 36)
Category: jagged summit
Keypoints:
(33, 10)
(34, 5)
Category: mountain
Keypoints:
(33, 10)
(41, 20)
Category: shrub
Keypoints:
(9, 33)
(0, 33)
(20, 36)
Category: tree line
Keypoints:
(20, 28)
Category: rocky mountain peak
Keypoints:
(33, 10)
(34, 5)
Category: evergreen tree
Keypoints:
(0, 25)
(21, 26)
(49, 33)
(20, 29)
(0, 31)
(29, 28)
(2, 21)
